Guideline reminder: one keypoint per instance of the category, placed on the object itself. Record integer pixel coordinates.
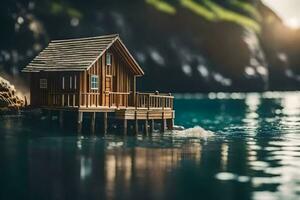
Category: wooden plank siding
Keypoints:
(115, 83)
(54, 94)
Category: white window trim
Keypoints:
(108, 57)
(71, 82)
(94, 82)
(43, 83)
(75, 82)
(63, 82)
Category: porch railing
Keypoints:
(112, 99)
(154, 100)
(119, 99)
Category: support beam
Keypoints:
(152, 124)
(93, 119)
(125, 126)
(170, 124)
(163, 125)
(104, 125)
(146, 127)
(136, 124)
(79, 122)
(61, 118)
(50, 117)
(163, 122)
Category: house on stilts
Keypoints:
(95, 75)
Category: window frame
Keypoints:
(94, 82)
(108, 57)
(43, 83)
(63, 82)
(71, 83)
(75, 82)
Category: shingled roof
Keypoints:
(78, 54)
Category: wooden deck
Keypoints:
(145, 108)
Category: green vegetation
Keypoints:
(59, 8)
(162, 6)
(212, 11)
(228, 15)
(198, 9)
(247, 7)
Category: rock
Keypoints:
(8, 98)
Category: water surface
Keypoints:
(254, 153)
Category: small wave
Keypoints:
(196, 132)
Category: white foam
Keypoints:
(196, 132)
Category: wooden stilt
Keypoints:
(136, 124)
(125, 126)
(61, 118)
(79, 122)
(170, 124)
(104, 130)
(93, 119)
(49, 117)
(146, 127)
(163, 123)
(152, 123)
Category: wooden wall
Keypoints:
(54, 94)
(117, 78)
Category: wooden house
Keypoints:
(91, 75)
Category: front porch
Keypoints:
(145, 108)
(110, 100)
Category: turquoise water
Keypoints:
(253, 153)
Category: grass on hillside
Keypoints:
(214, 12)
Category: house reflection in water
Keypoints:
(103, 170)
(143, 168)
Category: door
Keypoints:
(108, 89)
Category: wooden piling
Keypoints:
(152, 124)
(61, 118)
(93, 119)
(79, 122)
(136, 124)
(49, 117)
(104, 125)
(125, 126)
(163, 123)
(170, 124)
(146, 127)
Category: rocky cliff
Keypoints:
(183, 45)
(8, 97)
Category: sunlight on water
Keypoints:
(238, 146)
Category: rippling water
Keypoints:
(253, 153)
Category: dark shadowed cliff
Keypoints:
(183, 45)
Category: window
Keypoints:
(71, 82)
(108, 59)
(63, 82)
(94, 82)
(43, 83)
(75, 82)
